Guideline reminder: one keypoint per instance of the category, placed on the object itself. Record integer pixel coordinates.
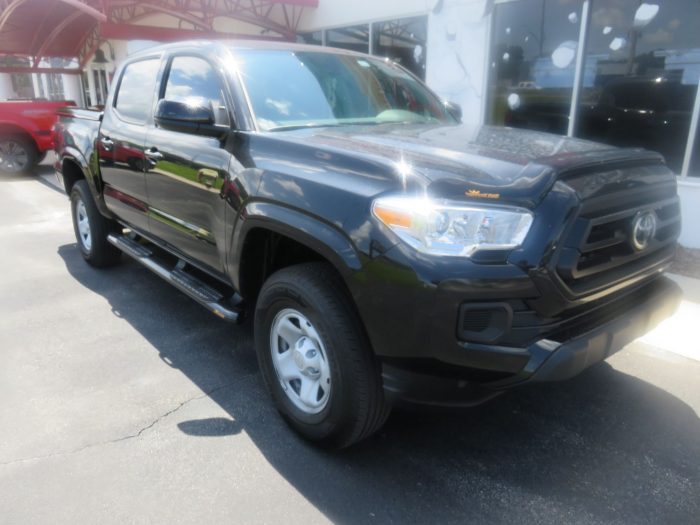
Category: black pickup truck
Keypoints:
(385, 252)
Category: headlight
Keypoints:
(444, 228)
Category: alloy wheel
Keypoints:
(13, 156)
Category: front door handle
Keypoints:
(153, 154)
(207, 177)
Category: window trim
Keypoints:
(579, 67)
(692, 135)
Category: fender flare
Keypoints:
(74, 155)
(321, 237)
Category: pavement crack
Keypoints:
(127, 437)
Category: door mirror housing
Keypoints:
(193, 115)
(454, 109)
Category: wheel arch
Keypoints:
(11, 129)
(72, 172)
(75, 168)
(271, 237)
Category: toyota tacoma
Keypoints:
(385, 252)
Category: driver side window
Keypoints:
(195, 77)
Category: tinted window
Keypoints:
(136, 89)
(195, 77)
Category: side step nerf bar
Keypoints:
(201, 292)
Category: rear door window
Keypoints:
(135, 95)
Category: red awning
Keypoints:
(72, 29)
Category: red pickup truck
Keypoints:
(26, 132)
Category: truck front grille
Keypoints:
(600, 248)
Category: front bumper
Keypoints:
(545, 359)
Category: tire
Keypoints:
(91, 228)
(17, 155)
(353, 405)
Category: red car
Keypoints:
(26, 132)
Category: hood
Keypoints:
(474, 162)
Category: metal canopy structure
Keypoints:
(32, 31)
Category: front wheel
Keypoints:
(91, 228)
(315, 358)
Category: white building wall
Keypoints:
(689, 192)
(72, 89)
(457, 54)
(333, 13)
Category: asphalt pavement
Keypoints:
(123, 401)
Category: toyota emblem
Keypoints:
(643, 229)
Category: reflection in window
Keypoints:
(533, 61)
(136, 89)
(355, 38)
(403, 41)
(642, 71)
(195, 77)
(314, 37)
(324, 89)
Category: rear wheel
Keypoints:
(17, 155)
(91, 228)
(315, 357)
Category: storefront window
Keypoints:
(355, 38)
(86, 89)
(313, 37)
(403, 41)
(55, 85)
(642, 70)
(22, 86)
(533, 61)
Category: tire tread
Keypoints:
(103, 253)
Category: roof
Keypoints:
(243, 44)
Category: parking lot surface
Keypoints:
(124, 401)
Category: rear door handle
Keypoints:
(207, 177)
(107, 143)
(153, 154)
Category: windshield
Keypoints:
(290, 89)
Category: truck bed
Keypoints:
(77, 113)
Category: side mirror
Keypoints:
(454, 109)
(194, 115)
